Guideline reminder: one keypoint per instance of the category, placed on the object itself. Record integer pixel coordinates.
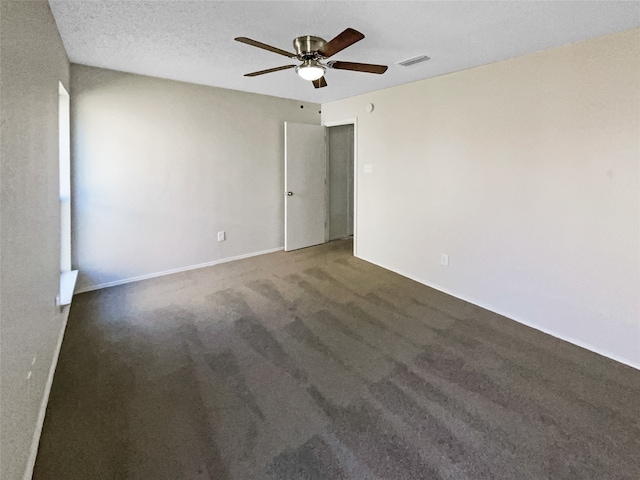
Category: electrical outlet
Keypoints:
(222, 236)
(444, 259)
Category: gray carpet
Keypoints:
(317, 365)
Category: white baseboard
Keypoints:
(175, 270)
(565, 338)
(35, 442)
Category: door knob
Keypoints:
(289, 194)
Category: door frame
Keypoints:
(354, 122)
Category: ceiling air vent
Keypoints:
(412, 61)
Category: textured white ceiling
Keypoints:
(193, 41)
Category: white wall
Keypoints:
(526, 172)
(32, 62)
(159, 167)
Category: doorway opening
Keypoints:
(341, 181)
(320, 180)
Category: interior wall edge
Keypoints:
(91, 288)
(35, 442)
(511, 316)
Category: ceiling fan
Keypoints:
(311, 50)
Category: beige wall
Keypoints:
(159, 167)
(526, 173)
(32, 61)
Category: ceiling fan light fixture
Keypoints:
(310, 70)
(310, 51)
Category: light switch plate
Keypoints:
(221, 236)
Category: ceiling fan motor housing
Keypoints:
(307, 46)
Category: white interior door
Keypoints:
(304, 182)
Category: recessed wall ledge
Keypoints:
(67, 286)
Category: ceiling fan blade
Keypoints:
(321, 82)
(358, 67)
(270, 70)
(255, 43)
(342, 41)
